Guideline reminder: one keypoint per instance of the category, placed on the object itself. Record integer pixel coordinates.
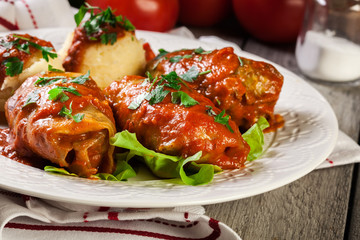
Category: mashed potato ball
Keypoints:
(21, 56)
(109, 54)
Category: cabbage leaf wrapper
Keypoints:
(64, 118)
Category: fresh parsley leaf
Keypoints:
(210, 111)
(67, 112)
(205, 72)
(191, 74)
(24, 48)
(52, 69)
(58, 93)
(200, 50)
(79, 16)
(108, 38)
(177, 58)
(125, 23)
(13, 66)
(137, 101)
(162, 53)
(240, 61)
(223, 120)
(183, 98)
(78, 117)
(97, 23)
(172, 80)
(8, 45)
(45, 81)
(45, 51)
(32, 98)
(81, 79)
(157, 95)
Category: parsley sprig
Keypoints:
(157, 93)
(220, 118)
(13, 66)
(67, 112)
(97, 23)
(58, 93)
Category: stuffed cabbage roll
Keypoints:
(65, 118)
(245, 88)
(170, 118)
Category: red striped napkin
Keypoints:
(30, 14)
(24, 217)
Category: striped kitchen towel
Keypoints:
(31, 14)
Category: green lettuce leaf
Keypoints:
(255, 138)
(57, 170)
(166, 166)
(122, 172)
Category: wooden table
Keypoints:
(325, 204)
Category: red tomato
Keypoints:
(275, 21)
(152, 15)
(203, 13)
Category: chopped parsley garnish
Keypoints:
(200, 50)
(67, 112)
(81, 79)
(32, 98)
(137, 101)
(97, 23)
(223, 120)
(162, 53)
(157, 94)
(183, 98)
(46, 51)
(58, 93)
(205, 72)
(172, 80)
(45, 81)
(220, 118)
(13, 66)
(192, 74)
(177, 58)
(52, 69)
(241, 62)
(108, 38)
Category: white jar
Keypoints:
(328, 45)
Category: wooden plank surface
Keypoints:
(315, 206)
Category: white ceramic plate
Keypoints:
(306, 140)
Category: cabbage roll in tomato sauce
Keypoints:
(245, 88)
(172, 119)
(65, 118)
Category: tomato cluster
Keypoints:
(272, 21)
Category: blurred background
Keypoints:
(269, 21)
